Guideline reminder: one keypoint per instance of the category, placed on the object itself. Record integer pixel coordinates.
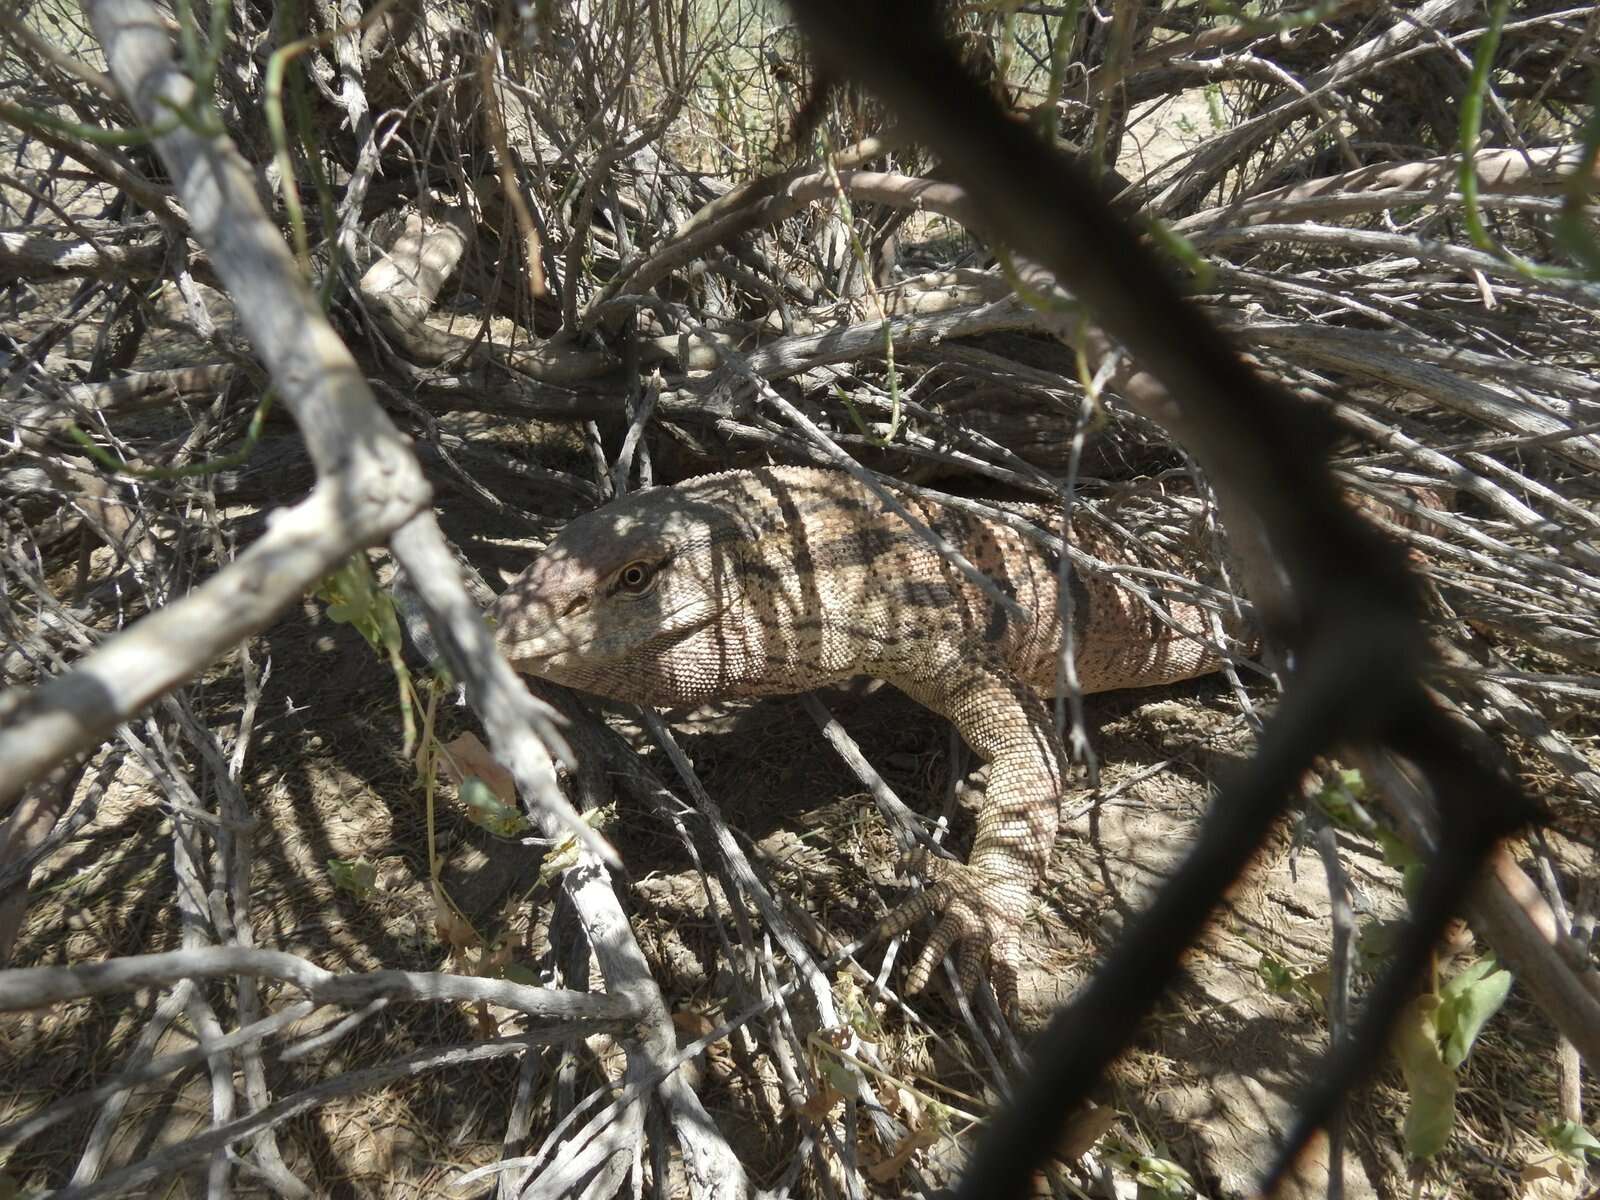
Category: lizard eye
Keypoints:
(634, 576)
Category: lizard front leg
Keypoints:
(985, 901)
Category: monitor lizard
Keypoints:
(782, 579)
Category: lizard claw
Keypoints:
(982, 914)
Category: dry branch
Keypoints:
(367, 1079)
(35, 987)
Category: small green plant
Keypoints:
(1343, 798)
(488, 811)
(1436, 1031)
(487, 792)
(1573, 1141)
(1281, 979)
(1573, 1150)
(354, 598)
(1157, 1176)
(354, 875)
(1432, 1039)
(1276, 974)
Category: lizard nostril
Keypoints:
(579, 603)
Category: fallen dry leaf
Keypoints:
(465, 757)
(886, 1169)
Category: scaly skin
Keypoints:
(779, 580)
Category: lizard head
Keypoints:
(604, 605)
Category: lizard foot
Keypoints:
(981, 908)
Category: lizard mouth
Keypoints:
(572, 656)
(539, 660)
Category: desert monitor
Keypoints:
(782, 579)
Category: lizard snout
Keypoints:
(527, 614)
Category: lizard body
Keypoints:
(782, 579)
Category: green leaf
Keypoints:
(1466, 1004)
(487, 811)
(1276, 974)
(1340, 794)
(1431, 1083)
(841, 1076)
(1157, 1177)
(354, 598)
(1572, 1140)
(354, 875)
(1161, 1177)
(1403, 859)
